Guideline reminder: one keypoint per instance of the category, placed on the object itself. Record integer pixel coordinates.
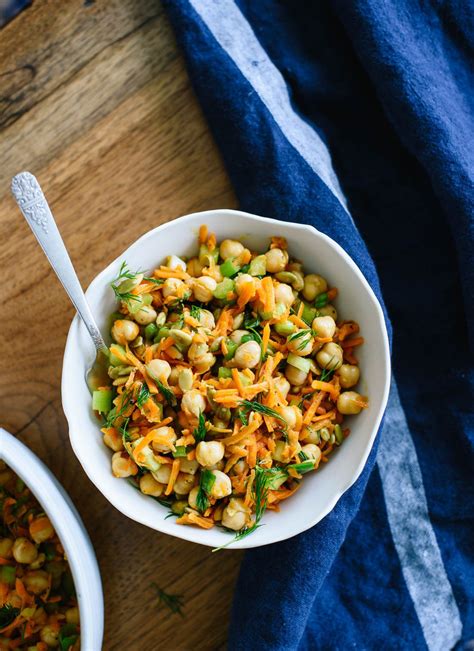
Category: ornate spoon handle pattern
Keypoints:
(35, 209)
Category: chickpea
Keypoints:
(284, 294)
(324, 326)
(349, 375)
(24, 551)
(209, 453)
(282, 385)
(237, 335)
(206, 319)
(172, 287)
(193, 403)
(185, 379)
(230, 249)
(183, 483)
(350, 402)
(204, 363)
(122, 465)
(192, 497)
(328, 310)
(330, 356)
(6, 545)
(240, 467)
(313, 285)
(302, 345)
(173, 262)
(189, 467)
(295, 376)
(149, 486)
(124, 330)
(277, 259)
(310, 435)
(237, 321)
(194, 267)
(292, 415)
(41, 529)
(222, 485)
(113, 439)
(145, 315)
(312, 452)
(72, 616)
(173, 379)
(203, 288)
(197, 350)
(36, 581)
(244, 279)
(49, 634)
(165, 434)
(281, 451)
(159, 369)
(235, 514)
(247, 355)
(162, 475)
(285, 328)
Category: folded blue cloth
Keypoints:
(10, 8)
(358, 118)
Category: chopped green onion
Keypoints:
(338, 434)
(325, 434)
(180, 452)
(223, 289)
(102, 401)
(151, 331)
(229, 268)
(7, 574)
(285, 328)
(302, 468)
(231, 348)
(301, 363)
(224, 373)
(258, 266)
(205, 255)
(200, 431)
(321, 300)
(163, 332)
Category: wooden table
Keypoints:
(95, 101)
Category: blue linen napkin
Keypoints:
(10, 8)
(358, 118)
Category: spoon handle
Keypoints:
(32, 203)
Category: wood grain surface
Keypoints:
(96, 102)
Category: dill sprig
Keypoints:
(252, 405)
(327, 373)
(167, 394)
(261, 486)
(8, 614)
(174, 602)
(206, 482)
(200, 431)
(195, 312)
(143, 395)
(124, 274)
(114, 414)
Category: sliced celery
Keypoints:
(102, 401)
(258, 266)
(301, 363)
(229, 268)
(223, 289)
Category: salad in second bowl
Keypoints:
(38, 604)
(230, 377)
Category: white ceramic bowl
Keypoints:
(71, 531)
(321, 490)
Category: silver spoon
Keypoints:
(32, 203)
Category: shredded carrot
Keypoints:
(268, 293)
(265, 337)
(238, 382)
(326, 386)
(297, 320)
(252, 454)
(202, 233)
(315, 402)
(332, 293)
(173, 476)
(247, 292)
(194, 518)
(351, 343)
(211, 242)
(164, 272)
(300, 310)
(347, 329)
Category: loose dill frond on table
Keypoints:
(174, 602)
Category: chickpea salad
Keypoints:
(38, 606)
(230, 376)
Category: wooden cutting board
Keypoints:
(96, 102)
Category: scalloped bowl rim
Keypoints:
(70, 529)
(78, 338)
